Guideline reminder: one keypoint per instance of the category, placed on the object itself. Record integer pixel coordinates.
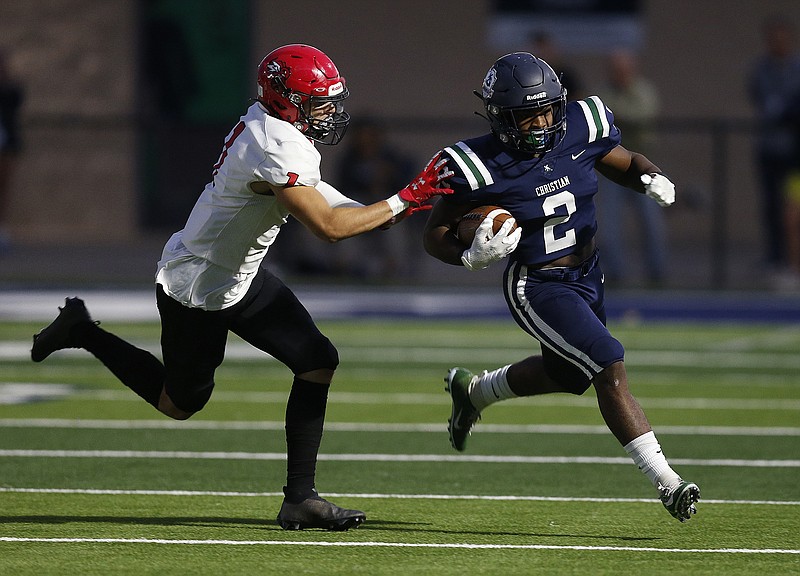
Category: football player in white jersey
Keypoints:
(210, 280)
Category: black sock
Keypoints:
(137, 369)
(305, 417)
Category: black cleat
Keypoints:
(57, 335)
(316, 512)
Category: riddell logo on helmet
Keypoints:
(335, 89)
(539, 95)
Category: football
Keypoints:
(471, 220)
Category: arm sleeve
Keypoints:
(335, 198)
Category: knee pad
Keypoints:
(319, 353)
(331, 355)
(606, 351)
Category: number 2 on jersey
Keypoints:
(550, 207)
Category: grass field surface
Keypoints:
(94, 481)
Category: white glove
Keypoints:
(488, 247)
(659, 188)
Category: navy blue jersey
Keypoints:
(552, 196)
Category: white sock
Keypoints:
(490, 387)
(646, 454)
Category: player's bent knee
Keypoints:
(166, 406)
(181, 403)
(612, 379)
(320, 376)
(176, 413)
(607, 351)
(319, 355)
(330, 356)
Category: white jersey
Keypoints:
(212, 261)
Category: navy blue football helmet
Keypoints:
(520, 85)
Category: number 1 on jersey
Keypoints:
(238, 129)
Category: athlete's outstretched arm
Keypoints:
(637, 172)
(311, 208)
(626, 167)
(328, 215)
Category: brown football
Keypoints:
(471, 220)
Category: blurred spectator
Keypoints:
(11, 97)
(635, 103)
(791, 279)
(369, 164)
(774, 83)
(543, 46)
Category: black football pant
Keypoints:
(193, 341)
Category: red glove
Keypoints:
(427, 183)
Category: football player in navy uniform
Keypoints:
(210, 280)
(539, 162)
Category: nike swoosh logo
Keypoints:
(578, 155)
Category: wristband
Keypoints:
(397, 204)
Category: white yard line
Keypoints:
(340, 544)
(20, 350)
(372, 496)
(22, 392)
(483, 459)
(435, 427)
(378, 544)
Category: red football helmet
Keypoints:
(297, 79)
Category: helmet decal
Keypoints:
(335, 89)
(488, 83)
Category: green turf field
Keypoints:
(94, 481)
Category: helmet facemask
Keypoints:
(327, 128)
(534, 139)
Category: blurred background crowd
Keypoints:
(112, 113)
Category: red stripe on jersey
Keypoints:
(238, 129)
